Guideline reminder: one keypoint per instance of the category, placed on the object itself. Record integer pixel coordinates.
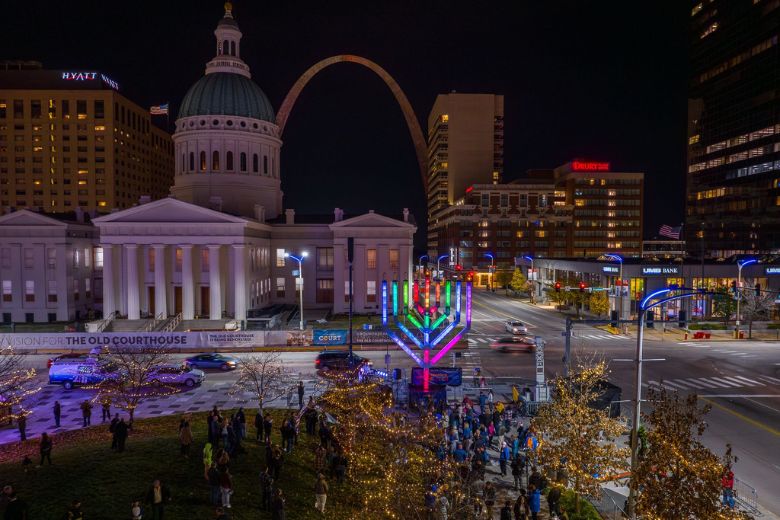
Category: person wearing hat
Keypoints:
(320, 493)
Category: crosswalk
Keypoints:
(719, 350)
(475, 340)
(598, 336)
(714, 382)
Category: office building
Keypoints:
(69, 139)
(465, 147)
(733, 178)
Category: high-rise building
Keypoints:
(69, 139)
(465, 147)
(733, 189)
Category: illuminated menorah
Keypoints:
(429, 317)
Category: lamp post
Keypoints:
(642, 308)
(740, 265)
(492, 269)
(299, 259)
(613, 256)
(438, 262)
(533, 292)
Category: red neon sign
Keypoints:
(469, 189)
(589, 166)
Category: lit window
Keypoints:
(102, 203)
(100, 128)
(711, 29)
(541, 234)
(29, 290)
(371, 291)
(579, 202)
(8, 293)
(694, 139)
(611, 203)
(371, 258)
(612, 193)
(52, 290)
(98, 251)
(346, 291)
(280, 287)
(280, 258)
(445, 118)
(394, 259)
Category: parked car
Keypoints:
(213, 360)
(70, 373)
(514, 344)
(338, 360)
(516, 327)
(172, 374)
(73, 357)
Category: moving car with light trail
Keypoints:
(514, 344)
(516, 327)
(172, 374)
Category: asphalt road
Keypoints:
(740, 380)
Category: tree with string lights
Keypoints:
(392, 460)
(264, 376)
(756, 304)
(17, 383)
(677, 476)
(577, 439)
(129, 372)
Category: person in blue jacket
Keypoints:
(534, 501)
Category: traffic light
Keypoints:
(458, 267)
(649, 319)
(758, 289)
(582, 286)
(557, 286)
(613, 318)
(682, 318)
(470, 276)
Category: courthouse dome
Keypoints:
(225, 93)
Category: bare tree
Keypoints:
(264, 376)
(755, 305)
(128, 379)
(17, 383)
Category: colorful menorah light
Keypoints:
(430, 316)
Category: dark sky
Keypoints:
(596, 79)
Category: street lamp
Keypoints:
(533, 292)
(740, 265)
(618, 258)
(642, 308)
(492, 268)
(420, 270)
(438, 262)
(299, 259)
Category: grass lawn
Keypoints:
(107, 482)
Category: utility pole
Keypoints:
(567, 347)
(350, 258)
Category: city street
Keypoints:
(741, 380)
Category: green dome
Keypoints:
(224, 93)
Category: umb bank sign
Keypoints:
(205, 340)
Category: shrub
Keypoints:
(707, 326)
(587, 511)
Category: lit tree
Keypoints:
(129, 376)
(391, 457)
(577, 298)
(599, 303)
(723, 304)
(557, 297)
(677, 476)
(578, 439)
(755, 306)
(264, 376)
(519, 282)
(504, 279)
(17, 383)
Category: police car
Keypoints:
(70, 372)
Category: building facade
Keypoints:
(733, 178)
(69, 139)
(465, 147)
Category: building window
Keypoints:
(485, 200)
(325, 258)
(98, 257)
(51, 258)
(394, 259)
(242, 161)
(325, 291)
(87, 288)
(18, 108)
(370, 258)
(265, 164)
(192, 161)
(204, 260)
(202, 161)
(280, 283)
(150, 256)
(8, 291)
(255, 163)
(100, 109)
(75, 289)
(35, 108)
(371, 291)
(229, 161)
(280, 258)
(179, 259)
(81, 108)
(29, 290)
(214, 160)
(346, 291)
(52, 286)
(5, 256)
(29, 258)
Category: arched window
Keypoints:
(192, 161)
(203, 161)
(229, 161)
(215, 160)
(242, 159)
(265, 165)
(226, 47)
(232, 48)
(183, 163)
(255, 163)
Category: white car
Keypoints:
(176, 375)
(516, 327)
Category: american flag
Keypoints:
(670, 232)
(159, 110)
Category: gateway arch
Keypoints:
(418, 139)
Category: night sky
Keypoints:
(594, 79)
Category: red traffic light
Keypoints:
(458, 267)
(557, 286)
(582, 286)
(470, 276)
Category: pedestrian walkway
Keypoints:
(719, 383)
